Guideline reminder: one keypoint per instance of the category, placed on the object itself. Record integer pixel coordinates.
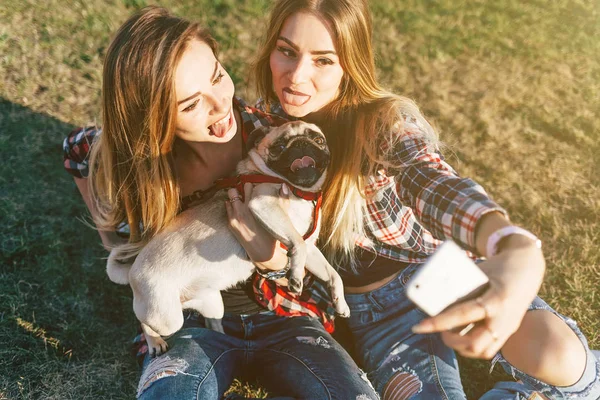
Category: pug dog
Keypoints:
(196, 256)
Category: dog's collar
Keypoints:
(239, 181)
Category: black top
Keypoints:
(240, 299)
(371, 268)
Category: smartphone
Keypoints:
(449, 276)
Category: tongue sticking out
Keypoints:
(304, 162)
(294, 98)
(219, 130)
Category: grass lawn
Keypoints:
(512, 86)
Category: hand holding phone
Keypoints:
(449, 276)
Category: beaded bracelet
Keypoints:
(274, 275)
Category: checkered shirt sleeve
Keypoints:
(414, 207)
(76, 150)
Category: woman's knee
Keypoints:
(546, 348)
(195, 366)
(165, 376)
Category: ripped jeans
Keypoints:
(292, 358)
(381, 321)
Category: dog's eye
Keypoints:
(319, 140)
(277, 150)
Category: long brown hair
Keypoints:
(132, 177)
(360, 124)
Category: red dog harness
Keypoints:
(239, 181)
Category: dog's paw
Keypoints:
(157, 346)
(295, 285)
(341, 308)
(343, 312)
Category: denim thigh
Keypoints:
(380, 322)
(296, 357)
(588, 386)
(200, 364)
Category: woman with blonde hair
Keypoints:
(390, 201)
(171, 128)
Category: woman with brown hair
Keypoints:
(390, 201)
(171, 128)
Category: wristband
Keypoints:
(274, 275)
(492, 242)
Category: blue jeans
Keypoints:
(381, 321)
(292, 358)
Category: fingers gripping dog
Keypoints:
(190, 262)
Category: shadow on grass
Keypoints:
(63, 325)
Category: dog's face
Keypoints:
(296, 151)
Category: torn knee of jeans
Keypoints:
(320, 341)
(159, 368)
(402, 385)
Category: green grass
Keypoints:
(514, 88)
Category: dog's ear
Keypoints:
(256, 136)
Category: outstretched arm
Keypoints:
(516, 272)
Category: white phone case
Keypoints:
(447, 277)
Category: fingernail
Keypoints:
(284, 189)
(417, 328)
